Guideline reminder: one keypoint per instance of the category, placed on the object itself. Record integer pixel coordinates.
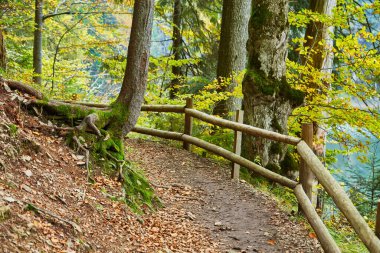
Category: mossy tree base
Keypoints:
(100, 131)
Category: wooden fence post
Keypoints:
(307, 178)
(188, 123)
(237, 145)
(377, 228)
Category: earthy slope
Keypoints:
(37, 168)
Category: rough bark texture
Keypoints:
(131, 95)
(37, 46)
(268, 99)
(232, 56)
(177, 48)
(3, 62)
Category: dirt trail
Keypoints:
(238, 217)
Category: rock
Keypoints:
(28, 173)
(26, 158)
(218, 223)
(9, 199)
(6, 87)
(79, 157)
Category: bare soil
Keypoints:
(240, 218)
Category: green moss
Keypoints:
(273, 167)
(13, 129)
(276, 148)
(289, 163)
(295, 97)
(262, 83)
(260, 15)
(107, 151)
(270, 86)
(139, 194)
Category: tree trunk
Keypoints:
(317, 32)
(318, 38)
(177, 48)
(232, 55)
(131, 95)
(268, 98)
(37, 46)
(3, 62)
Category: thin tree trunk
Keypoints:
(268, 98)
(177, 48)
(232, 55)
(131, 95)
(318, 38)
(3, 62)
(37, 46)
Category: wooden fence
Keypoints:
(310, 165)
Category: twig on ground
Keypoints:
(87, 156)
(40, 210)
(169, 186)
(73, 224)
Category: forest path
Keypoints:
(238, 217)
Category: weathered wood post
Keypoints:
(188, 123)
(307, 178)
(377, 228)
(237, 145)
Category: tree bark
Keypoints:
(131, 95)
(268, 98)
(232, 55)
(3, 61)
(37, 46)
(177, 48)
(317, 32)
(318, 38)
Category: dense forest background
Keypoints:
(77, 50)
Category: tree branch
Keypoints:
(51, 15)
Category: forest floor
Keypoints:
(47, 205)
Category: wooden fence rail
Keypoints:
(311, 161)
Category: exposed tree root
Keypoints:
(87, 156)
(100, 126)
(14, 85)
(89, 123)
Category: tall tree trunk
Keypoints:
(268, 98)
(318, 32)
(3, 61)
(232, 55)
(318, 38)
(37, 46)
(177, 48)
(131, 95)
